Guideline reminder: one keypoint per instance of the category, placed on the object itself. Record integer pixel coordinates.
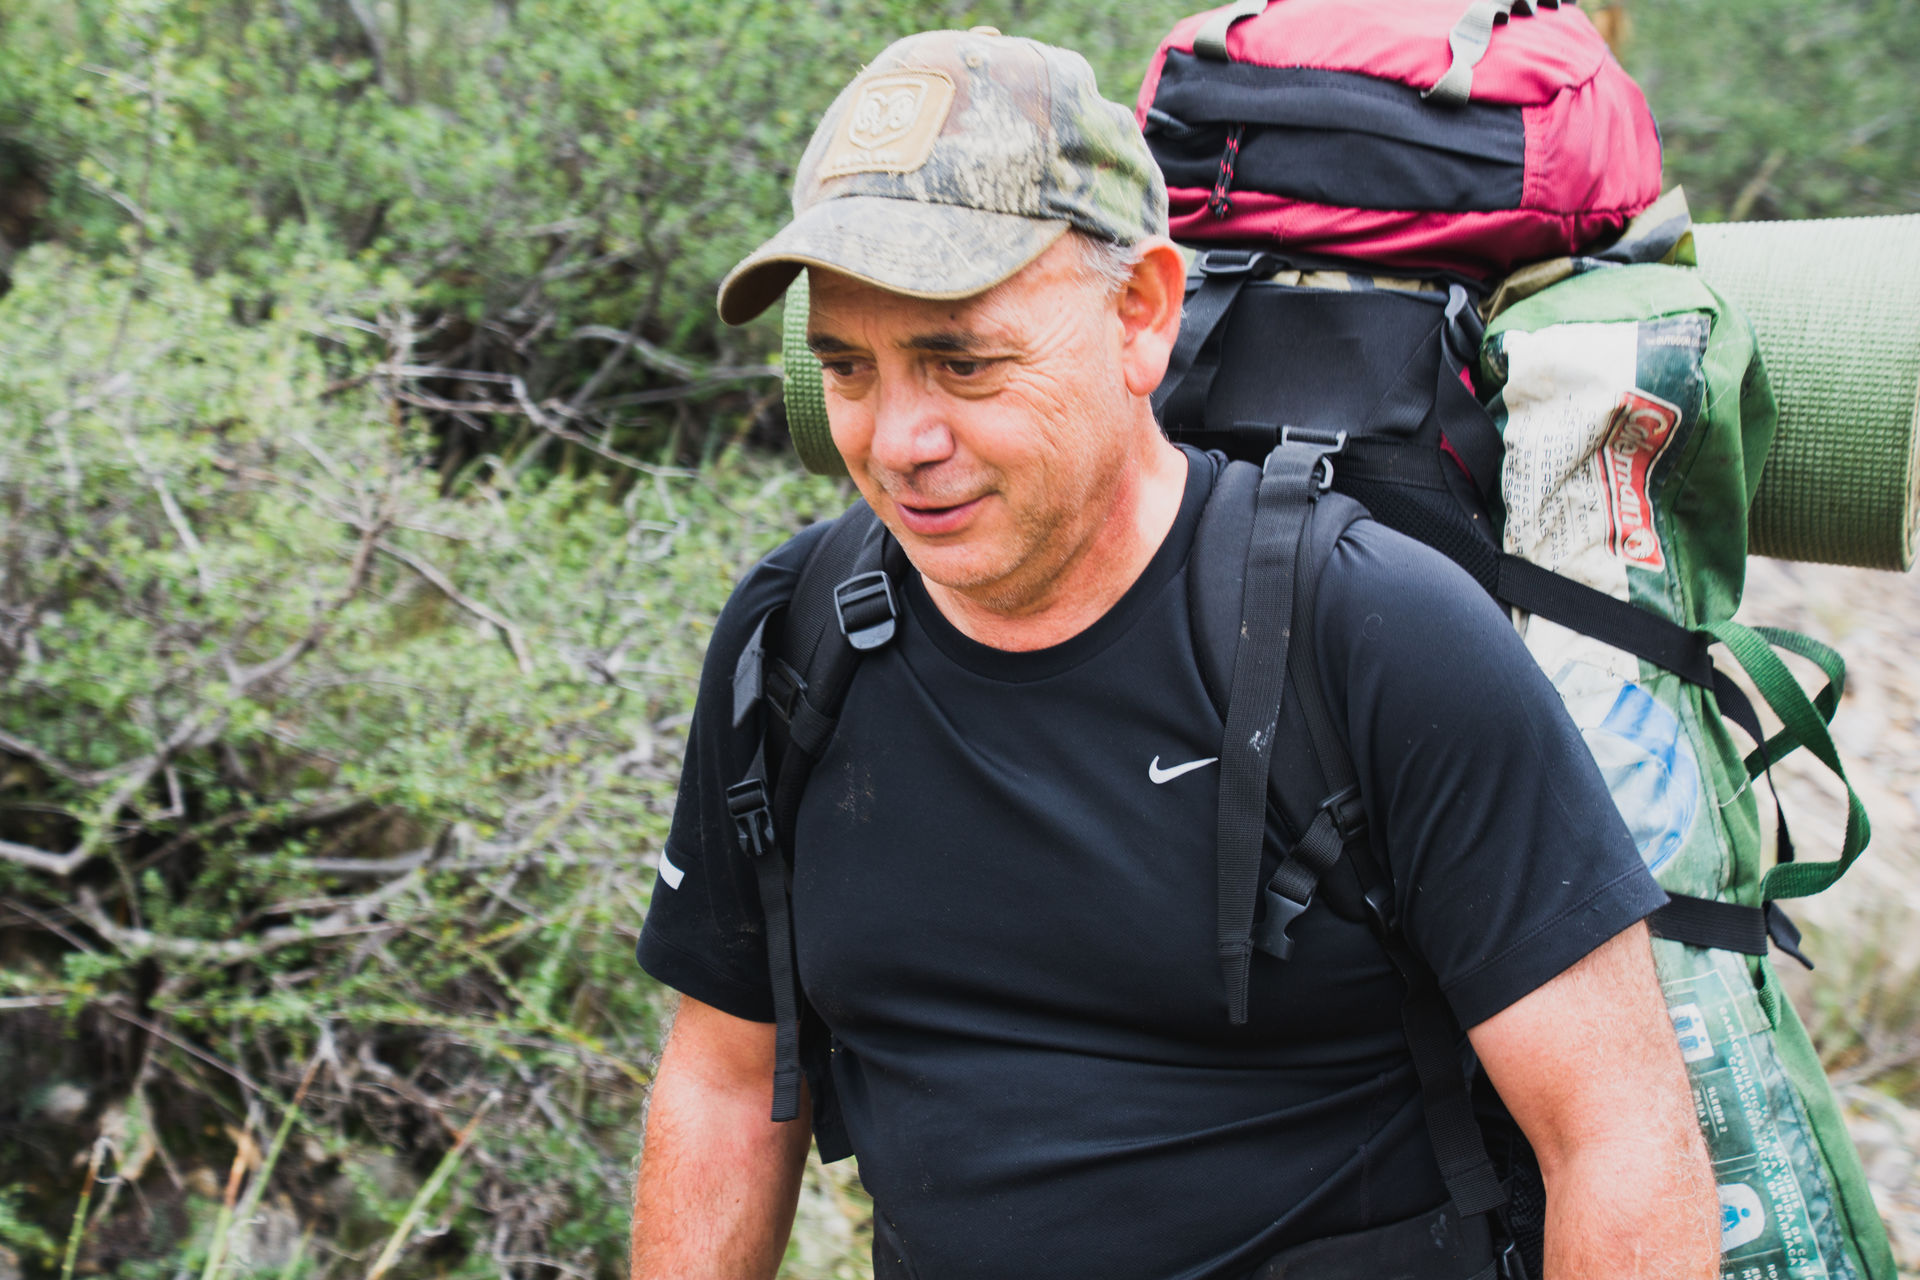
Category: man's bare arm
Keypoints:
(1590, 1068)
(718, 1179)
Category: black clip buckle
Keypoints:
(1348, 814)
(752, 816)
(1328, 442)
(1270, 935)
(866, 609)
(783, 687)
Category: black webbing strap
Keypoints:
(1468, 429)
(753, 826)
(1294, 475)
(1180, 401)
(1432, 1032)
(1727, 926)
(1592, 612)
(1702, 922)
(1290, 892)
(1433, 1041)
(805, 680)
(1613, 621)
(835, 616)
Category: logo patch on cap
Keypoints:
(891, 125)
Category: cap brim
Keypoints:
(903, 246)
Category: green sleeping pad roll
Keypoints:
(806, 403)
(1835, 305)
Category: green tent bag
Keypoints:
(1636, 416)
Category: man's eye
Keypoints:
(838, 368)
(967, 368)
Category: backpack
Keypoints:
(1461, 135)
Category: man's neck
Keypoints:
(1137, 520)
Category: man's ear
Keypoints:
(1149, 307)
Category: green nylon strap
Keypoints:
(1826, 702)
(1754, 652)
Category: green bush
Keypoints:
(549, 175)
(313, 767)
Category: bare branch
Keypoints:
(50, 762)
(248, 677)
(196, 552)
(362, 866)
(354, 918)
(58, 864)
(515, 640)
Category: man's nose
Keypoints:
(910, 428)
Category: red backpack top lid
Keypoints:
(1459, 135)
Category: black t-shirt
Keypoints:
(1004, 909)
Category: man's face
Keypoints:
(983, 432)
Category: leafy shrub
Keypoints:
(314, 770)
(563, 181)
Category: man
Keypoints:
(1006, 928)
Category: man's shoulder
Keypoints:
(1376, 573)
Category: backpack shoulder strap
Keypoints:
(1291, 482)
(843, 605)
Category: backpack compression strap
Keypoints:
(843, 606)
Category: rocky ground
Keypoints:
(1863, 1002)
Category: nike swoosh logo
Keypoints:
(1158, 775)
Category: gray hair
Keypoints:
(1104, 264)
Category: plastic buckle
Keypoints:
(867, 612)
(1328, 442)
(1226, 263)
(783, 687)
(1271, 933)
(752, 816)
(1509, 1265)
(1348, 814)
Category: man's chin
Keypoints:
(966, 567)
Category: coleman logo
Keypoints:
(1639, 433)
(891, 125)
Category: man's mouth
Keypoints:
(930, 521)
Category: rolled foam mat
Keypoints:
(1835, 306)
(806, 402)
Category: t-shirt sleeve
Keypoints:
(1509, 859)
(705, 934)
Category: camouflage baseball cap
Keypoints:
(951, 162)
